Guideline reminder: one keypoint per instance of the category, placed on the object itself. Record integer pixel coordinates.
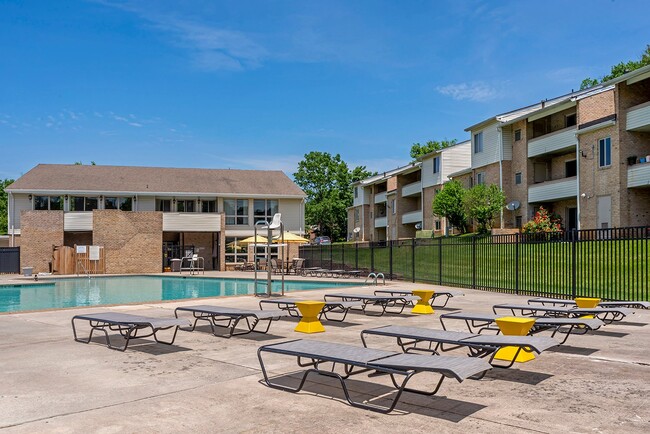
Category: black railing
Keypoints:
(9, 260)
(606, 263)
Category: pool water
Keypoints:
(99, 291)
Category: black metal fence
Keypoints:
(9, 260)
(606, 263)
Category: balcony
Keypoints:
(412, 217)
(638, 175)
(412, 189)
(380, 197)
(381, 222)
(191, 222)
(553, 190)
(558, 142)
(638, 117)
(78, 221)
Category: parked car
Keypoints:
(322, 240)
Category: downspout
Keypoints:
(578, 155)
(12, 202)
(500, 142)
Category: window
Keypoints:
(209, 206)
(44, 203)
(605, 152)
(265, 209)
(80, 203)
(436, 165)
(392, 205)
(518, 178)
(121, 203)
(480, 178)
(236, 252)
(236, 211)
(356, 192)
(185, 205)
(518, 222)
(471, 181)
(570, 120)
(478, 142)
(571, 168)
(356, 215)
(517, 135)
(164, 205)
(438, 226)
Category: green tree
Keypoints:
(4, 205)
(326, 180)
(418, 150)
(448, 203)
(619, 69)
(483, 203)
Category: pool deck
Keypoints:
(599, 382)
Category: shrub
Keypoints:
(543, 221)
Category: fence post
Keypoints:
(356, 255)
(390, 259)
(440, 260)
(474, 262)
(574, 264)
(372, 256)
(331, 258)
(413, 260)
(517, 263)
(343, 256)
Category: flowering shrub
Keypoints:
(543, 221)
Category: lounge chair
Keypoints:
(446, 293)
(605, 314)
(356, 360)
(384, 301)
(486, 321)
(127, 325)
(215, 314)
(566, 303)
(481, 346)
(289, 305)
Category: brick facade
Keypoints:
(132, 240)
(40, 231)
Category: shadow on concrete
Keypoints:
(568, 349)
(143, 345)
(633, 324)
(372, 392)
(609, 334)
(325, 322)
(253, 336)
(517, 376)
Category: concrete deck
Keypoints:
(599, 382)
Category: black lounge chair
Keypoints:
(383, 301)
(607, 304)
(356, 360)
(289, 305)
(127, 325)
(446, 293)
(605, 314)
(481, 346)
(232, 316)
(487, 321)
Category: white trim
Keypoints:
(155, 193)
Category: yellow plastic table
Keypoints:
(587, 303)
(514, 326)
(309, 323)
(423, 306)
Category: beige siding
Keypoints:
(146, 203)
(638, 175)
(191, 222)
(21, 203)
(553, 190)
(455, 159)
(491, 152)
(638, 117)
(506, 141)
(554, 142)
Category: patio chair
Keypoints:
(445, 293)
(605, 314)
(383, 301)
(127, 325)
(356, 360)
(409, 338)
(567, 303)
(232, 316)
(289, 305)
(298, 267)
(275, 268)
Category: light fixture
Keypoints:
(29, 197)
(66, 197)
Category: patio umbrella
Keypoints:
(290, 237)
(252, 240)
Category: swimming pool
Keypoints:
(97, 291)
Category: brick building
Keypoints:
(144, 216)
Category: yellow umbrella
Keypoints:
(290, 237)
(252, 240)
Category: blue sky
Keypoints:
(257, 84)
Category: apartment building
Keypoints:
(143, 216)
(584, 155)
(397, 203)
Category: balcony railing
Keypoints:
(638, 117)
(381, 222)
(191, 222)
(553, 190)
(380, 197)
(412, 189)
(412, 217)
(638, 175)
(553, 143)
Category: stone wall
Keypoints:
(40, 231)
(132, 240)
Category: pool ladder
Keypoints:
(375, 277)
(83, 268)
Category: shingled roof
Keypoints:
(155, 180)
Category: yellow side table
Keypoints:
(587, 303)
(514, 326)
(309, 323)
(423, 307)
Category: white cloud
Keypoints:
(475, 91)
